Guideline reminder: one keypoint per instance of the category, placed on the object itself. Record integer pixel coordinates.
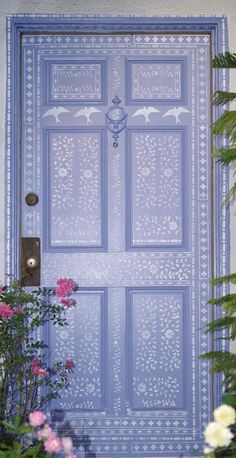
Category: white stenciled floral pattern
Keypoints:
(76, 193)
(122, 268)
(82, 343)
(61, 149)
(116, 72)
(156, 391)
(76, 81)
(156, 188)
(170, 307)
(156, 80)
(156, 320)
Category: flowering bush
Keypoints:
(36, 438)
(27, 381)
(219, 434)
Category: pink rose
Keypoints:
(69, 364)
(5, 310)
(35, 362)
(65, 287)
(52, 445)
(67, 302)
(36, 418)
(67, 444)
(46, 432)
(1, 290)
(40, 372)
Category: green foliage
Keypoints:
(225, 155)
(23, 441)
(226, 125)
(225, 361)
(226, 60)
(26, 382)
(223, 97)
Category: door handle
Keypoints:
(30, 261)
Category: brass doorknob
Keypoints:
(31, 262)
(31, 198)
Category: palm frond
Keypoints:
(225, 155)
(222, 97)
(226, 124)
(231, 194)
(226, 60)
(224, 322)
(231, 278)
(222, 299)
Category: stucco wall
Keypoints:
(137, 7)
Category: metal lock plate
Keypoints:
(30, 261)
(31, 198)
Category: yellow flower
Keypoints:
(217, 436)
(225, 415)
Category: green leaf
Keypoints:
(222, 97)
(221, 323)
(24, 429)
(8, 425)
(226, 60)
(229, 399)
(226, 125)
(231, 194)
(226, 279)
(32, 451)
(225, 155)
(17, 420)
(222, 299)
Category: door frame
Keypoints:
(17, 25)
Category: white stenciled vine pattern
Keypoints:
(76, 193)
(152, 80)
(74, 81)
(156, 391)
(156, 188)
(81, 343)
(155, 325)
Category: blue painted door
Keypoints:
(130, 224)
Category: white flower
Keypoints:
(217, 436)
(62, 172)
(145, 171)
(169, 333)
(225, 415)
(172, 225)
(146, 335)
(168, 172)
(88, 173)
(141, 388)
(90, 388)
(207, 450)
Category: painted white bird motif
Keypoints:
(176, 112)
(56, 111)
(87, 112)
(145, 111)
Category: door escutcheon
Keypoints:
(30, 261)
